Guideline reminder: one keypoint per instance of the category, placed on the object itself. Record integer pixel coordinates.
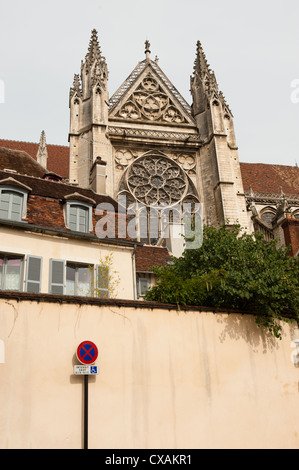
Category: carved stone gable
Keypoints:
(149, 102)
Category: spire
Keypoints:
(94, 50)
(201, 65)
(94, 71)
(42, 153)
(203, 71)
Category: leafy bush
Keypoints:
(233, 269)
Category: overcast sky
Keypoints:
(253, 48)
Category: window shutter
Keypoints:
(4, 205)
(82, 219)
(73, 217)
(33, 274)
(78, 218)
(57, 276)
(16, 206)
(102, 282)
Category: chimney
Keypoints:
(98, 176)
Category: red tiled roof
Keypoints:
(58, 155)
(262, 177)
(149, 256)
(56, 190)
(46, 198)
(20, 162)
(265, 178)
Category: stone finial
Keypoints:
(42, 153)
(147, 49)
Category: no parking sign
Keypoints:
(87, 352)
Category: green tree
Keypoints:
(233, 269)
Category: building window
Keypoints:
(11, 273)
(79, 217)
(11, 268)
(268, 217)
(78, 279)
(143, 285)
(12, 204)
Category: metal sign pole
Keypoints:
(85, 411)
(87, 353)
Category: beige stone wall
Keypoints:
(168, 379)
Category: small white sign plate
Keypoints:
(86, 370)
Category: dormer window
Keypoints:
(13, 200)
(78, 217)
(267, 215)
(78, 213)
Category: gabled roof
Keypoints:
(265, 178)
(58, 155)
(145, 68)
(148, 256)
(17, 161)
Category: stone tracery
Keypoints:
(155, 179)
(151, 103)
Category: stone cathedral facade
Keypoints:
(146, 148)
(147, 143)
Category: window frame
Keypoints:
(21, 280)
(83, 205)
(76, 265)
(23, 193)
(141, 279)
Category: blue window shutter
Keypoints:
(57, 276)
(33, 274)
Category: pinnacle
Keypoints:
(42, 141)
(201, 65)
(94, 51)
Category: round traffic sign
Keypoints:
(87, 352)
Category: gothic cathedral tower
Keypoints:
(149, 145)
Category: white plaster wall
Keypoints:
(78, 251)
(168, 379)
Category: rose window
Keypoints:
(155, 179)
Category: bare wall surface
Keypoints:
(168, 379)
